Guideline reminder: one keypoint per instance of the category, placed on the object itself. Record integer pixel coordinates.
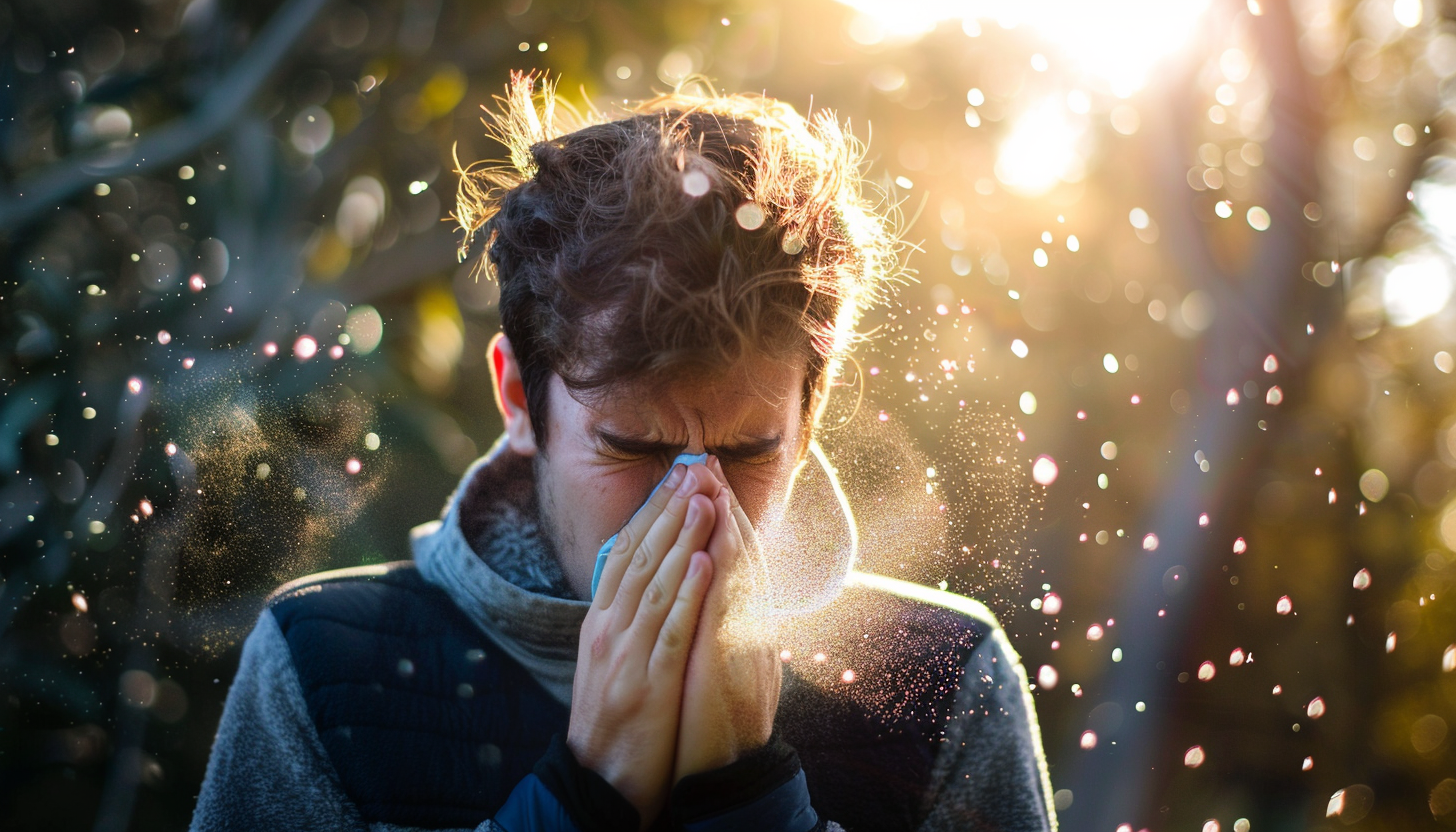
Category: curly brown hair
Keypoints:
(694, 231)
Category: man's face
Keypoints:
(602, 459)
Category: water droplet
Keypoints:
(1278, 689)
(1206, 671)
(1307, 764)
(1094, 633)
(145, 507)
(1051, 603)
(1089, 740)
(1232, 397)
(305, 348)
(1019, 348)
(1362, 579)
(1028, 403)
(785, 655)
(1211, 825)
(270, 349)
(1109, 450)
(1316, 708)
(1284, 606)
(79, 602)
(1044, 470)
(171, 449)
(134, 384)
(1109, 363)
(1236, 658)
(1150, 542)
(352, 466)
(1203, 520)
(1274, 396)
(1193, 757)
(1271, 363)
(1332, 496)
(1240, 546)
(847, 676)
(1390, 643)
(1448, 659)
(164, 337)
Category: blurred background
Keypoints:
(1184, 265)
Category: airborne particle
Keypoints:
(352, 466)
(1051, 604)
(1109, 450)
(1203, 520)
(134, 384)
(270, 349)
(695, 183)
(1316, 708)
(1362, 579)
(164, 337)
(171, 449)
(1150, 542)
(336, 352)
(749, 216)
(1284, 606)
(1274, 396)
(1019, 348)
(79, 602)
(847, 676)
(1206, 671)
(1271, 363)
(1193, 757)
(1236, 658)
(1307, 764)
(305, 348)
(1109, 363)
(145, 507)
(785, 655)
(1448, 659)
(1232, 397)
(1390, 643)
(1046, 677)
(1211, 825)
(188, 362)
(1044, 470)
(196, 283)
(1089, 740)
(1240, 546)
(1094, 633)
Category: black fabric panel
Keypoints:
(425, 721)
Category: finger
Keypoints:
(661, 591)
(636, 528)
(670, 653)
(645, 560)
(745, 529)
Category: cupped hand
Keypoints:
(731, 690)
(627, 693)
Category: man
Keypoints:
(682, 280)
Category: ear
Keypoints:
(510, 396)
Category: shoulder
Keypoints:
(381, 596)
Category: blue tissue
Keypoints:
(682, 459)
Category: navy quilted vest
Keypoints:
(429, 725)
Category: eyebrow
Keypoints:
(742, 449)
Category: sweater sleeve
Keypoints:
(990, 775)
(269, 770)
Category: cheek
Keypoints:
(760, 489)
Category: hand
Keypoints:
(634, 642)
(731, 690)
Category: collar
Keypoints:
(529, 615)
